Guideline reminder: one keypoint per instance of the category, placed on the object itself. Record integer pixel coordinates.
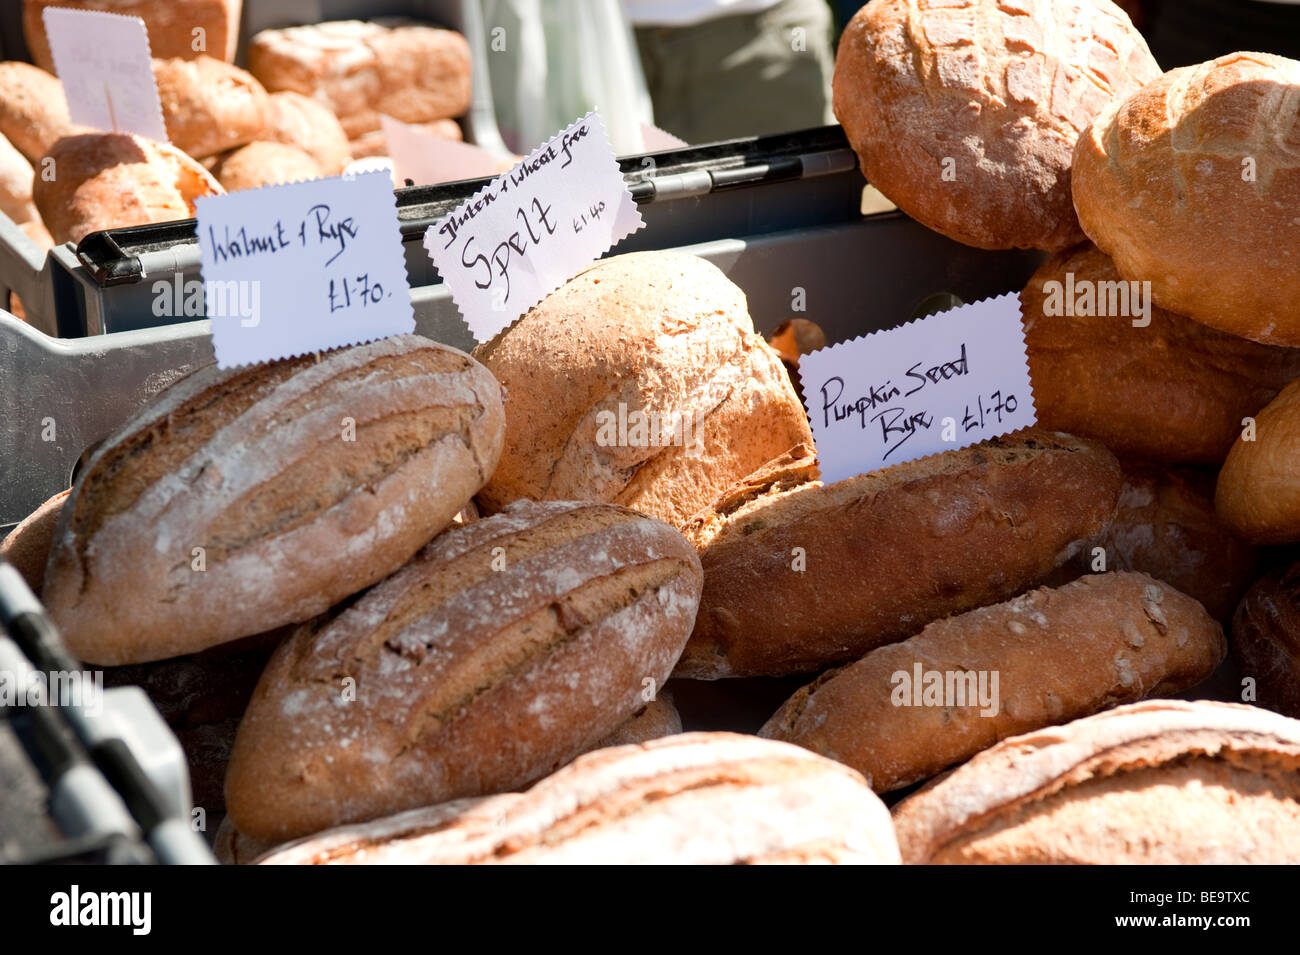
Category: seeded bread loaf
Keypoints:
(183, 28)
(698, 798)
(1156, 783)
(802, 576)
(33, 110)
(27, 546)
(904, 712)
(302, 481)
(1266, 640)
(1258, 492)
(504, 649)
(210, 106)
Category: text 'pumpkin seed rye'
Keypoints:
(694, 799)
(609, 378)
(504, 649)
(302, 482)
(799, 575)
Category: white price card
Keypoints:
(103, 62)
(302, 267)
(529, 231)
(935, 384)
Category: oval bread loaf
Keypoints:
(33, 109)
(801, 576)
(297, 120)
(1266, 639)
(1157, 783)
(210, 106)
(504, 649)
(293, 507)
(1258, 491)
(693, 799)
(905, 711)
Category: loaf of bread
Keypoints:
(1266, 640)
(965, 112)
(640, 382)
(210, 106)
(801, 576)
(504, 649)
(361, 69)
(657, 719)
(27, 546)
(1166, 526)
(1203, 160)
(265, 164)
(111, 180)
(374, 143)
(1258, 494)
(181, 28)
(33, 111)
(906, 711)
(694, 799)
(301, 121)
(246, 499)
(1167, 389)
(15, 184)
(1157, 783)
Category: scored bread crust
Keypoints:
(813, 575)
(696, 798)
(209, 106)
(1266, 639)
(256, 465)
(1002, 88)
(1058, 654)
(1162, 185)
(502, 650)
(33, 110)
(662, 332)
(1170, 782)
(1258, 492)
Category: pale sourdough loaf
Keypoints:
(1057, 655)
(1160, 783)
(1170, 391)
(965, 112)
(1266, 639)
(648, 333)
(1258, 493)
(1191, 185)
(301, 121)
(184, 28)
(694, 799)
(293, 507)
(502, 650)
(210, 106)
(33, 111)
(799, 575)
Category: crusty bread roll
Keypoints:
(657, 719)
(15, 184)
(361, 69)
(1191, 185)
(182, 28)
(1159, 783)
(111, 180)
(648, 333)
(693, 799)
(1172, 391)
(33, 111)
(374, 143)
(265, 164)
(965, 112)
(210, 106)
(904, 712)
(303, 122)
(799, 575)
(294, 507)
(1258, 494)
(1266, 639)
(504, 649)
(27, 546)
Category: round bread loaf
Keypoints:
(33, 111)
(303, 122)
(111, 180)
(659, 718)
(210, 106)
(1152, 783)
(1258, 494)
(265, 164)
(1266, 639)
(175, 27)
(246, 499)
(799, 575)
(1167, 389)
(904, 712)
(965, 112)
(27, 546)
(504, 649)
(693, 799)
(640, 382)
(1191, 185)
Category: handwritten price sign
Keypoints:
(936, 384)
(531, 230)
(302, 267)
